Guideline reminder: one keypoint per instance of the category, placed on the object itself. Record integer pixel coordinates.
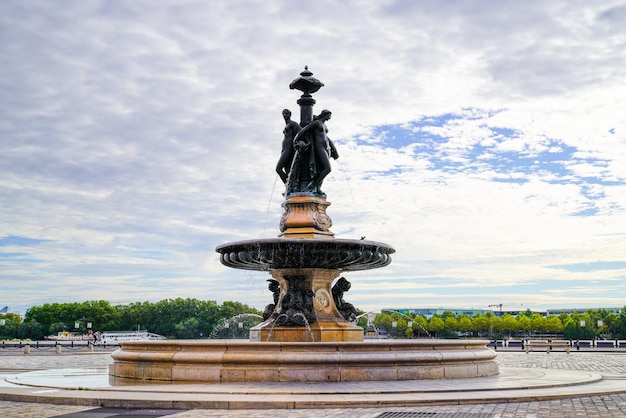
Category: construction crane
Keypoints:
(498, 305)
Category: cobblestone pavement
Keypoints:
(608, 364)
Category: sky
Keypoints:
(484, 140)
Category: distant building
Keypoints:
(579, 310)
(4, 310)
(429, 312)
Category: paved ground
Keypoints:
(612, 365)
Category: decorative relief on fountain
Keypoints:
(305, 217)
(322, 299)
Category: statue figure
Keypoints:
(286, 155)
(347, 310)
(313, 162)
(297, 304)
(274, 287)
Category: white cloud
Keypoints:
(483, 141)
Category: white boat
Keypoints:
(113, 337)
(69, 336)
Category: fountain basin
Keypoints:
(223, 361)
(321, 253)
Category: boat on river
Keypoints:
(70, 336)
(114, 337)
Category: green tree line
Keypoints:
(592, 324)
(173, 318)
(193, 318)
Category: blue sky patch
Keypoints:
(16, 241)
(593, 266)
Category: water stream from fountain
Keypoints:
(306, 325)
(226, 324)
(269, 335)
(423, 329)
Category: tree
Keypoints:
(187, 329)
(31, 330)
(99, 313)
(57, 327)
(578, 327)
(481, 324)
(450, 326)
(508, 324)
(618, 324)
(436, 324)
(554, 325)
(420, 325)
(465, 324)
(494, 323)
(537, 323)
(11, 323)
(523, 323)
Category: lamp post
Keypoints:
(88, 325)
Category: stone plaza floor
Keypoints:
(611, 366)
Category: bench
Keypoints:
(547, 345)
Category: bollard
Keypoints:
(89, 347)
(58, 349)
(27, 349)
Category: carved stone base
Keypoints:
(305, 217)
(320, 331)
(227, 361)
(325, 323)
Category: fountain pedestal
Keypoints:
(324, 325)
(305, 217)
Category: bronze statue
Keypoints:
(297, 304)
(347, 310)
(274, 287)
(313, 163)
(286, 155)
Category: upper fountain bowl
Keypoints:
(281, 253)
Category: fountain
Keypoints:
(307, 334)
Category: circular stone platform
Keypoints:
(227, 361)
(90, 387)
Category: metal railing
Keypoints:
(27, 347)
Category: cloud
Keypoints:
(485, 142)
